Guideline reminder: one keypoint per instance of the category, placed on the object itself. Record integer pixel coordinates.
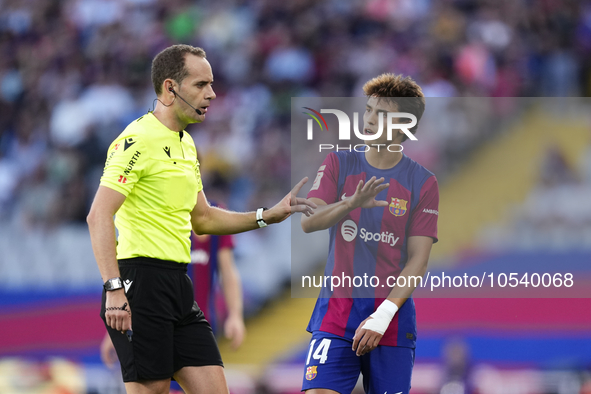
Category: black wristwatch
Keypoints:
(113, 284)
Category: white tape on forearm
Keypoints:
(382, 317)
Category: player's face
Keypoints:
(196, 88)
(374, 109)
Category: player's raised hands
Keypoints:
(365, 194)
(290, 204)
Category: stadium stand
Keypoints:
(74, 72)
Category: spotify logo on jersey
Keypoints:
(349, 230)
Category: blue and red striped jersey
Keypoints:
(204, 272)
(372, 242)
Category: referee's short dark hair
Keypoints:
(170, 63)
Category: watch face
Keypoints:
(113, 284)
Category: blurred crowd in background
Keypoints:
(74, 73)
(556, 213)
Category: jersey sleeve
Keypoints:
(125, 164)
(198, 176)
(226, 241)
(325, 186)
(426, 213)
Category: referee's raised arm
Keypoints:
(207, 219)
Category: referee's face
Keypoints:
(196, 88)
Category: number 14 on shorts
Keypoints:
(321, 352)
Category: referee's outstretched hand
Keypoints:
(291, 204)
(118, 312)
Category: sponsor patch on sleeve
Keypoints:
(319, 176)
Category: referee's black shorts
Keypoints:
(169, 330)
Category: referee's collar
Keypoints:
(161, 125)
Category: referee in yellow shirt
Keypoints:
(152, 183)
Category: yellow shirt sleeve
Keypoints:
(125, 164)
(198, 176)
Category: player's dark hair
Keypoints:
(170, 63)
(392, 87)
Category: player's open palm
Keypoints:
(365, 194)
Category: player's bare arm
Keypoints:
(102, 236)
(366, 338)
(207, 219)
(327, 215)
(108, 354)
(419, 249)
(232, 287)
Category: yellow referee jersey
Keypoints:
(158, 171)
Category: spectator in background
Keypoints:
(457, 368)
(555, 169)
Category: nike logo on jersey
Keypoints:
(344, 196)
(128, 142)
(167, 150)
(127, 284)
